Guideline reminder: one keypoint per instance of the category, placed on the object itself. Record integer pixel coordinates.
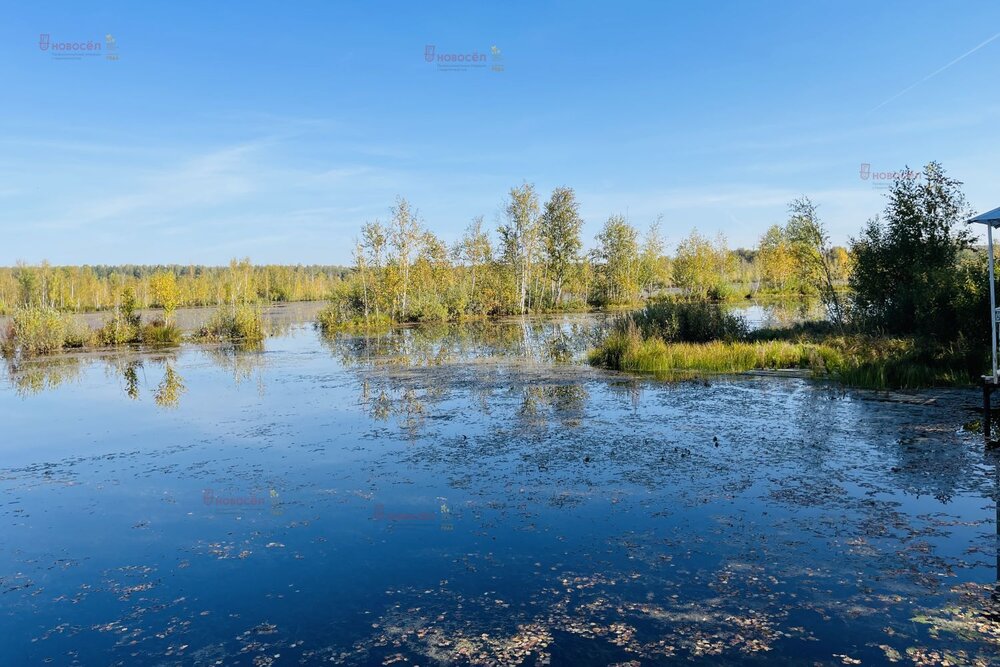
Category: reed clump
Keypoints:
(159, 332)
(237, 323)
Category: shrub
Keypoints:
(674, 321)
(429, 310)
(36, 330)
(723, 292)
(242, 323)
(119, 330)
(346, 311)
(77, 334)
(123, 327)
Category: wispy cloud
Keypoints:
(206, 179)
(936, 72)
(741, 211)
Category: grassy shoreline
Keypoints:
(831, 361)
(654, 340)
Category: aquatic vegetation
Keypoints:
(338, 316)
(865, 362)
(629, 352)
(35, 330)
(161, 333)
(237, 323)
(913, 368)
(690, 322)
(975, 616)
(668, 336)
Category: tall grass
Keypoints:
(629, 351)
(159, 332)
(671, 337)
(844, 360)
(240, 323)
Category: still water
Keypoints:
(476, 494)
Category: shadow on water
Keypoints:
(475, 494)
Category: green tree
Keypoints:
(654, 268)
(696, 265)
(404, 237)
(810, 245)
(617, 259)
(775, 258)
(475, 253)
(163, 285)
(519, 238)
(560, 230)
(30, 292)
(374, 241)
(907, 268)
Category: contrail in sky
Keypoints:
(936, 72)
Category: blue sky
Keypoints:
(274, 130)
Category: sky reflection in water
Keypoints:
(476, 493)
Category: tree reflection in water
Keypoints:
(245, 363)
(33, 376)
(137, 371)
(390, 367)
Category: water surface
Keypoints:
(476, 494)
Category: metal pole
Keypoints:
(988, 421)
(993, 304)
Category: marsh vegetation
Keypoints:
(903, 305)
(35, 328)
(534, 262)
(913, 317)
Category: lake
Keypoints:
(477, 494)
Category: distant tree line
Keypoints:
(87, 288)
